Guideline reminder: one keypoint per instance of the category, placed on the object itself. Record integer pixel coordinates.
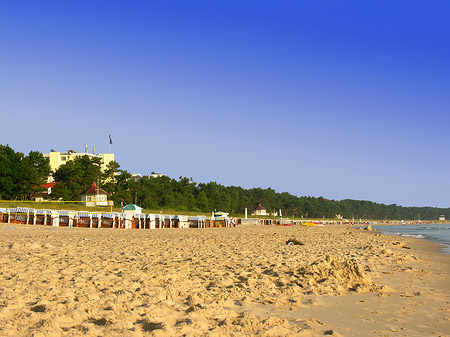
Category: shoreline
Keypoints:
(242, 281)
(427, 223)
(441, 242)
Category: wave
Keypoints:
(417, 236)
(436, 232)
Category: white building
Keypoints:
(95, 196)
(132, 209)
(261, 211)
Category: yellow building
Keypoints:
(58, 158)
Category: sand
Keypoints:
(242, 281)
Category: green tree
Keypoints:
(36, 169)
(202, 202)
(9, 162)
(116, 182)
(21, 176)
(75, 176)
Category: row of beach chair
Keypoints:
(58, 218)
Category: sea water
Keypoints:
(439, 233)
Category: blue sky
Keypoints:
(340, 99)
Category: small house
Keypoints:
(131, 216)
(95, 196)
(44, 195)
(132, 209)
(260, 211)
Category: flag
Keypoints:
(110, 139)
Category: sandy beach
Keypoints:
(242, 281)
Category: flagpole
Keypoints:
(109, 144)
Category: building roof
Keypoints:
(45, 194)
(94, 189)
(260, 208)
(132, 207)
(47, 185)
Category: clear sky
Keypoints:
(340, 99)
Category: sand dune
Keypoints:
(242, 281)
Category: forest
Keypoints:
(22, 175)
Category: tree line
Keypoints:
(21, 176)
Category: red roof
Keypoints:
(94, 189)
(48, 185)
(260, 208)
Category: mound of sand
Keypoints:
(334, 277)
